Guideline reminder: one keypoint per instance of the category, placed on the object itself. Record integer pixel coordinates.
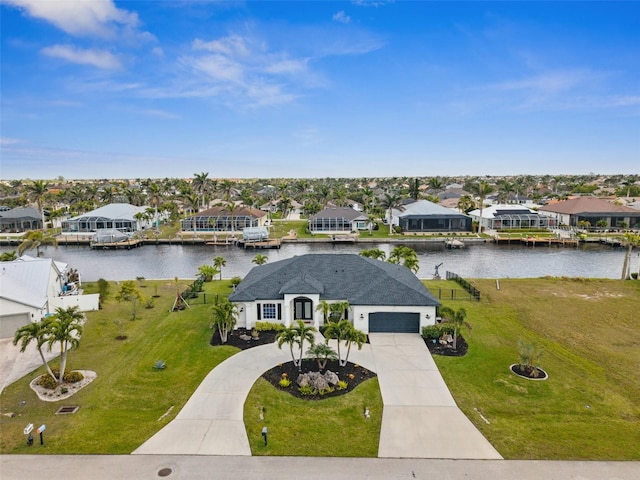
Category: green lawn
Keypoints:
(122, 407)
(589, 408)
(331, 427)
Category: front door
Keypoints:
(303, 309)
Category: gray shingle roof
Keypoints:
(359, 280)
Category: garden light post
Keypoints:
(264, 435)
(27, 431)
(41, 431)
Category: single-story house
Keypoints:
(20, 219)
(338, 220)
(219, 219)
(120, 216)
(32, 288)
(382, 296)
(426, 216)
(511, 216)
(593, 210)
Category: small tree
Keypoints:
(339, 332)
(224, 316)
(338, 310)
(325, 308)
(103, 290)
(374, 253)
(130, 293)
(353, 336)
(322, 353)
(457, 318)
(207, 272)
(530, 354)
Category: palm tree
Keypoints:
(353, 336)
(304, 333)
(287, 336)
(632, 240)
(191, 202)
(457, 318)
(260, 259)
(466, 204)
(65, 328)
(389, 203)
(8, 256)
(338, 310)
(325, 308)
(201, 184)
(482, 189)
(405, 255)
(37, 190)
(414, 189)
(224, 316)
(374, 253)
(219, 262)
(34, 240)
(37, 331)
(338, 331)
(322, 353)
(436, 184)
(207, 272)
(154, 193)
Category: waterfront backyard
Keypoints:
(587, 409)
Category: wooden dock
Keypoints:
(269, 243)
(125, 244)
(533, 241)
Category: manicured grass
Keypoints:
(123, 406)
(331, 427)
(589, 408)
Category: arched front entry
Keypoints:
(303, 309)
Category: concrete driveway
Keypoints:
(15, 364)
(420, 417)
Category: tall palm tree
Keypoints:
(224, 317)
(631, 240)
(191, 201)
(482, 189)
(414, 188)
(304, 333)
(338, 331)
(324, 307)
(389, 203)
(201, 185)
(287, 336)
(154, 193)
(38, 332)
(65, 328)
(34, 240)
(219, 262)
(436, 184)
(405, 255)
(353, 336)
(37, 191)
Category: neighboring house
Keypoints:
(119, 216)
(496, 217)
(593, 210)
(382, 296)
(32, 288)
(20, 219)
(219, 219)
(426, 216)
(338, 220)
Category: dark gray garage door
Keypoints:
(396, 322)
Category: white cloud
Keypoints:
(8, 141)
(81, 18)
(551, 82)
(341, 17)
(157, 51)
(97, 58)
(233, 45)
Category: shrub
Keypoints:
(307, 390)
(149, 303)
(47, 381)
(285, 382)
(342, 385)
(235, 281)
(64, 390)
(73, 377)
(324, 391)
(267, 326)
(434, 332)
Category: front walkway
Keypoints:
(420, 417)
(211, 422)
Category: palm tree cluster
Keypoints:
(64, 327)
(400, 255)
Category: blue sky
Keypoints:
(115, 89)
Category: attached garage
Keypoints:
(10, 323)
(394, 322)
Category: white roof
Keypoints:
(424, 207)
(490, 211)
(26, 280)
(124, 211)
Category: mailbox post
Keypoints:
(40, 431)
(27, 431)
(264, 435)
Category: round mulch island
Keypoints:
(515, 369)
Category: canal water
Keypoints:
(474, 261)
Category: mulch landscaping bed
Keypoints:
(234, 340)
(447, 350)
(360, 374)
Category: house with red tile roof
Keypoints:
(593, 210)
